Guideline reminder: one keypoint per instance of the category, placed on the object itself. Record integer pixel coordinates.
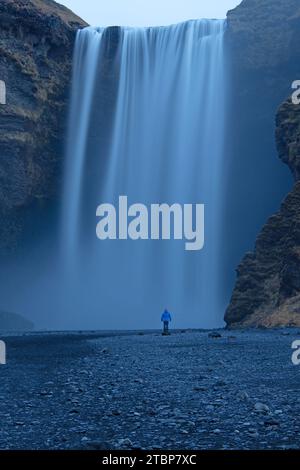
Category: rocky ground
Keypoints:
(142, 390)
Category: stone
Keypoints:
(271, 422)
(125, 443)
(220, 383)
(214, 335)
(210, 408)
(261, 408)
(242, 396)
(97, 445)
(199, 388)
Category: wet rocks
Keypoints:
(242, 396)
(170, 412)
(267, 290)
(95, 445)
(271, 422)
(261, 408)
(214, 335)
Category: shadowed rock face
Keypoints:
(288, 136)
(267, 30)
(267, 291)
(36, 44)
(263, 37)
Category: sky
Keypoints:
(147, 12)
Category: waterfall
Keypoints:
(160, 140)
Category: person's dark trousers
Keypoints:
(166, 327)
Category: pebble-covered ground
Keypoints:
(146, 391)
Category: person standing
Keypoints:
(166, 319)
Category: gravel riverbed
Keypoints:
(142, 390)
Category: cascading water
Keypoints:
(165, 145)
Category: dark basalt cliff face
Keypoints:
(267, 30)
(263, 37)
(261, 42)
(267, 292)
(288, 136)
(36, 44)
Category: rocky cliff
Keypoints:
(264, 33)
(36, 44)
(261, 43)
(263, 37)
(267, 291)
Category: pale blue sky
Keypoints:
(147, 12)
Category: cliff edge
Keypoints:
(36, 47)
(267, 290)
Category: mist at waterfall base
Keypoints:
(163, 143)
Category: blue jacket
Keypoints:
(166, 317)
